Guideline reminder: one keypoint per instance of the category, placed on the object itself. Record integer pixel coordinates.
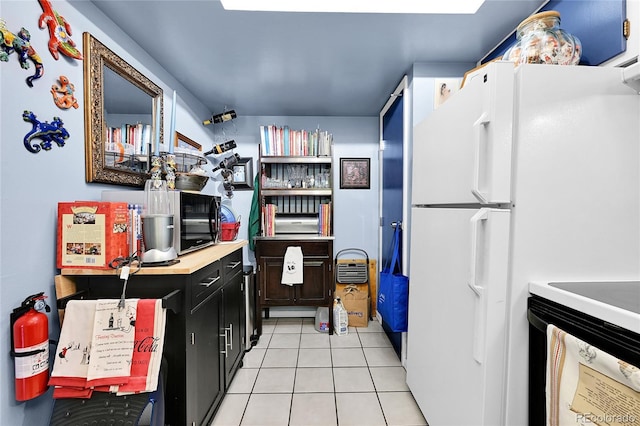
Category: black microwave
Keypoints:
(196, 217)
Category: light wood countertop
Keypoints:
(189, 263)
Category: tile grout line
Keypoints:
(333, 381)
(295, 374)
(256, 379)
(332, 366)
(246, 405)
(375, 389)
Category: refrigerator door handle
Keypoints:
(480, 311)
(478, 127)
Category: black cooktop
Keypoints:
(624, 295)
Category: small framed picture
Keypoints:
(243, 174)
(181, 141)
(355, 173)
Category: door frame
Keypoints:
(402, 90)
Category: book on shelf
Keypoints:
(269, 220)
(283, 141)
(138, 136)
(324, 222)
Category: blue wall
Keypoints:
(596, 23)
(355, 211)
(31, 185)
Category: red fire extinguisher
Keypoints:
(30, 347)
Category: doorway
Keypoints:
(393, 177)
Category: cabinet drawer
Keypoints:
(205, 282)
(232, 264)
(277, 248)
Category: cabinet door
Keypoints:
(272, 291)
(318, 278)
(316, 281)
(205, 382)
(233, 275)
(316, 287)
(233, 302)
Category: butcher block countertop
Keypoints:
(188, 264)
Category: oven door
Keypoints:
(616, 341)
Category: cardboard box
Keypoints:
(355, 299)
(91, 234)
(373, 287)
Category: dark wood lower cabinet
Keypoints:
(233, 319)
(203, 336)
(317, 288)
(204, 387)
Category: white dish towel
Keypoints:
(293, 265)
(96, 344)
(585, 384)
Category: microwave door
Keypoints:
(195, 234)
(214, 219)
(196, 227)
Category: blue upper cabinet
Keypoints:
(597, 23)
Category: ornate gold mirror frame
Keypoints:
(100, 164)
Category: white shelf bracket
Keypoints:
(631, 76)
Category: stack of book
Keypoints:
(136, 135)
(269, 220)
(324, 223)
(282, 141)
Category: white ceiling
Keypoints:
(268, 63)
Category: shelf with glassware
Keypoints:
(296, 188)
(295, 182)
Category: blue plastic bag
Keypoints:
(393, 293)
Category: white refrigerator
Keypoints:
(527, 173)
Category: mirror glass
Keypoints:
(120, 117)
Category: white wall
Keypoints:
(31, 185)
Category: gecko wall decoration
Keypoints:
(48, 132)
(20, 43)
(63, 95)
(59, 32)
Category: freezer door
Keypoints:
(457, 317)
(462, 150)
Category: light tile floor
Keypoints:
(297, 376)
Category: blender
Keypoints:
(157, 225)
